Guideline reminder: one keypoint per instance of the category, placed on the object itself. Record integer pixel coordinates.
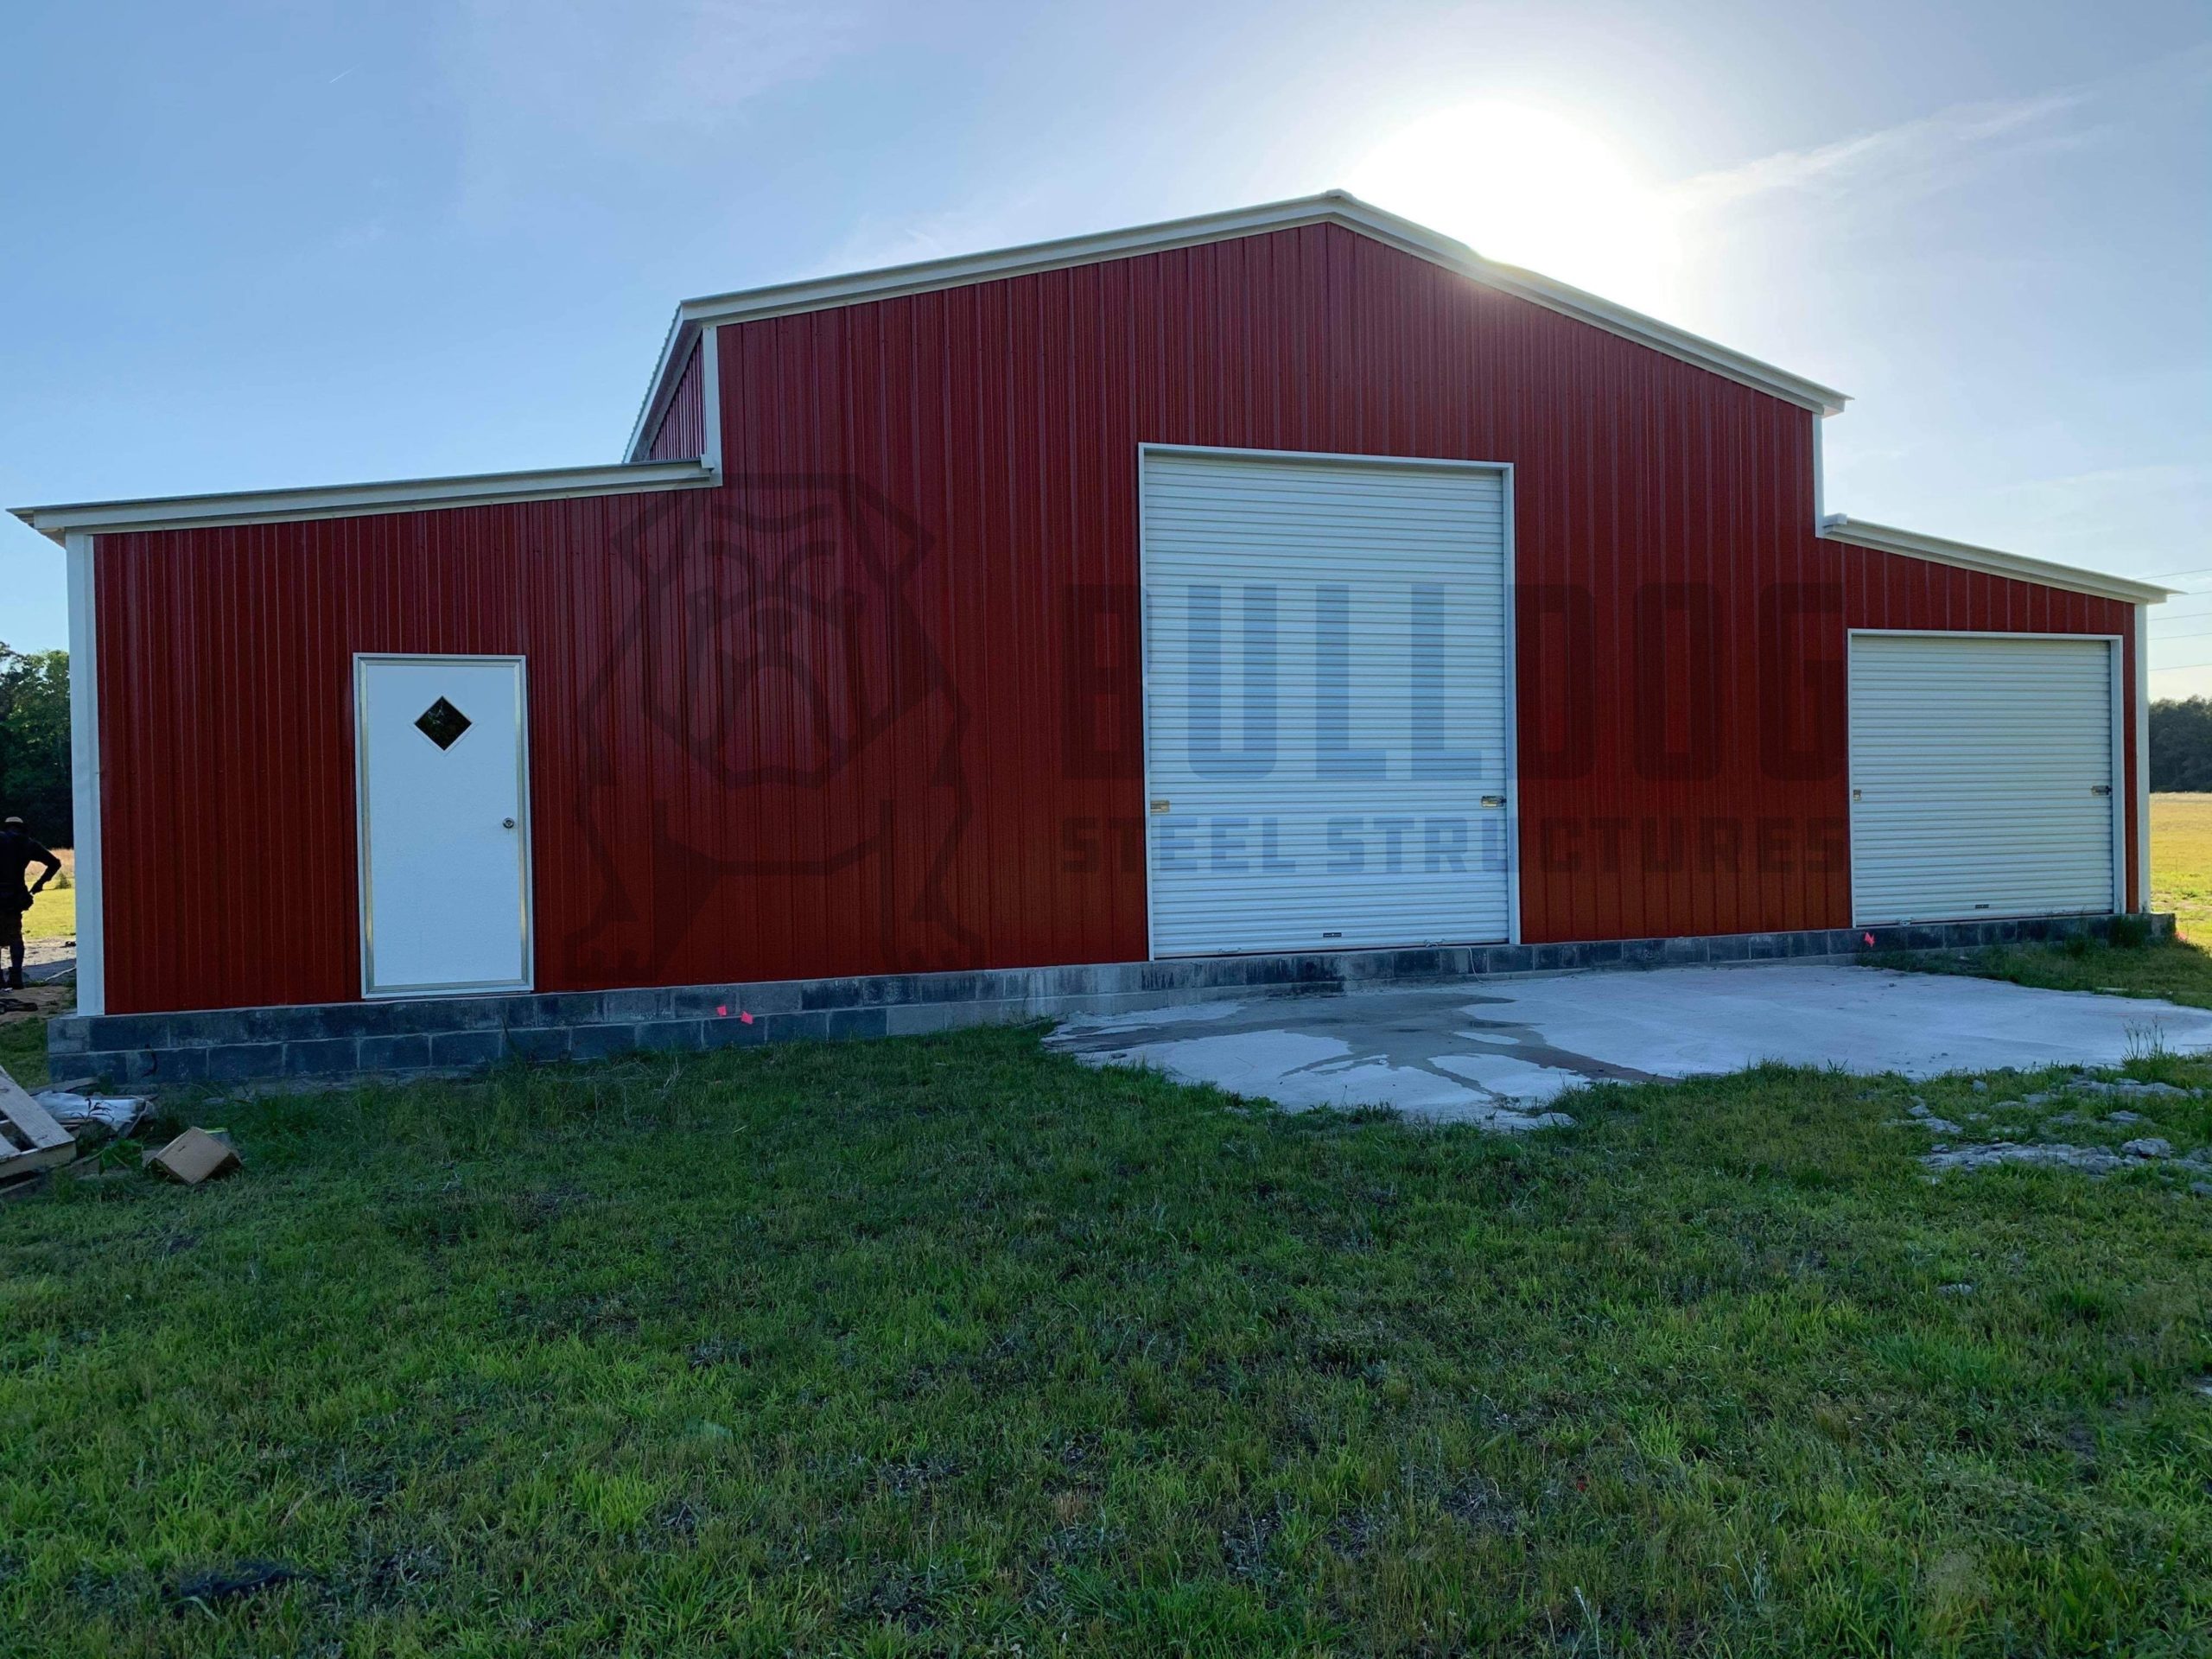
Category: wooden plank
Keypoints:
(29, 1138)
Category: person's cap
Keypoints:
(11, 818)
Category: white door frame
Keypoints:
(2117, 658)
(1504, 469)
(363, 661)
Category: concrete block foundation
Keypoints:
(454, 1033)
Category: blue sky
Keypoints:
(299, 243)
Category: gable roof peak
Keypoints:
(1328, 207)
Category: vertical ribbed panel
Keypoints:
(876, 704)
(682, 434)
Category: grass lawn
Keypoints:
(951, 1345)
(22, 1051)
(52, 914)
(2176, 971)
(2181, 861)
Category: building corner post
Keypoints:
(84, 774)
(1819, 474)
(2142, 689)
(710, 397)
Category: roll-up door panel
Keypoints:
(1327, 733)
(1984, 777)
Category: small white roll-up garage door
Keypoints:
(1325, 706)
(1985, 776)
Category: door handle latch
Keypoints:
(507, 824)
(2100, 789)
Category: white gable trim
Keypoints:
(662, 394)
(1884, 539)
(1331, 207)
(353, 501)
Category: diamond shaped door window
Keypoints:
(443, 723)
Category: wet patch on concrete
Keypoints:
(1499, 1055)
(1422, 1052)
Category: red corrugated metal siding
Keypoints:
(682, 434)
(874, 705)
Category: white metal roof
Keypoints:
(1885, 538)
(351, 500)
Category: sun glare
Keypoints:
(1529, 187)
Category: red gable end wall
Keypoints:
(682, 434)
(873, 705)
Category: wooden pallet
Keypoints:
(30, 1139)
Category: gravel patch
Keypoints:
(2016, 1125)
(2096, 1161)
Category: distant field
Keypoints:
(2181, 861)
(52, 914)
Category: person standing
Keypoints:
(18, 852)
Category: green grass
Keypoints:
(2181, 861)
(52, 914)
(952, 1346)
(22, 1052)
(2175, 971)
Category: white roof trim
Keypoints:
(1882, 538)
(662, 390)
(1331, 207)
(352, 500)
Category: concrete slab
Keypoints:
(48, 959)
(1498, 1054)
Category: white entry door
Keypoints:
(1986, 775)
(445, 824)
(1327, 708)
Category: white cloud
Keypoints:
(542, 86)
(2119, 519)
(625, 70)
(1917, 156)
(874, 241)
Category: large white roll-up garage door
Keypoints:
(1985, 776)
(1326, 703)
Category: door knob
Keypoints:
(507, 824)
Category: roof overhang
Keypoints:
(1331, 207)
(353, 501)
(1885, 538)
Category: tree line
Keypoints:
(2181, 745)
(34, 743)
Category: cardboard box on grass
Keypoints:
(194, 1156)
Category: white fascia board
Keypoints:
(1331, 207)
(1885, 538)
(353, 501)
(2142, 714)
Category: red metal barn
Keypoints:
(1283, 595)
